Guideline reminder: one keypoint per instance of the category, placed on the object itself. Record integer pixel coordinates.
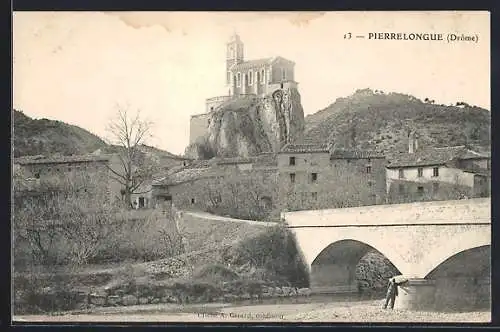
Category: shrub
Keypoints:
(41, 294)
(192, 290)
(275, 251)
(217, 273)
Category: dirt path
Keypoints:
(364, 311)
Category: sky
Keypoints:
(80, 67)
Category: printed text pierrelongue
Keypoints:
(405, 36)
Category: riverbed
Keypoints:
(309, 310)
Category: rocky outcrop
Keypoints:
(250, 125)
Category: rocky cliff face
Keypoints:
(250, 125)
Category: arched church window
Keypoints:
(238, 81)
(262, 76)
(250, 78)
(258, 77)
(246, 79)
(228, 77)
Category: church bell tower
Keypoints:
(234, 55)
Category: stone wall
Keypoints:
(339, 183)
(198, 127)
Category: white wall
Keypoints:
(446, 174)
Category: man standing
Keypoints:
(392, 292)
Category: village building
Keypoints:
(87, 175)
(317, 176)
(246, 186)
(444, 173)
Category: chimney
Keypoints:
(412, 142)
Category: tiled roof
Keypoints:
(234, 160)
(30, 160)
(355, 154)
(266, 159)
(256, 63)
(433, 156)
(304, 148)
(187, 174)
(251, 64)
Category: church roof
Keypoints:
(256, 63)
(252, 64)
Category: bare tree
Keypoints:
(128, 133)
(62, 223)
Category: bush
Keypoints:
(275, 251)
(217, 273)
(189, 291)
(35, 294)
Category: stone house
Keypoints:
(169, 163)
(316, 176)
(89, 175)
(240, 187)
(444, 173)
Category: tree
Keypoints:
(128, 133)
(60, 223)
(245, 195)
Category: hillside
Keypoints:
(46, 137)
(375, 120)
(43, 136)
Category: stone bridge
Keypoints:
(443, 247)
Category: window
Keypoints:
(420, 171)
(435, 187)
(369, 160)
(435, 171)
(315, 196)
(401, 173)
(192, 200)
(401, 188)
(292, 161)
(370, 183)
(314, 177)
(258, 77)
(238, 79)
(283, 74)
(368, 169)
(420, 190)
(292, 177)
(37, 175)
(262, 75)
(250, 78)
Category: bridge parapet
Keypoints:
(471, 211)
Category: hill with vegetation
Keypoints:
(381, 121)
(46, 137)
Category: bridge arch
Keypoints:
(441, 253)
(334, 267)
(462, 281)
(383, 246)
